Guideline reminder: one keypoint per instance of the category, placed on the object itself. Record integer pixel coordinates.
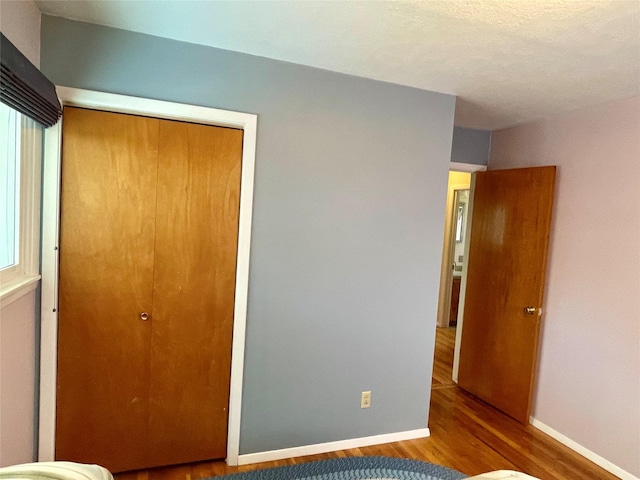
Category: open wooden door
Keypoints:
(505, 285)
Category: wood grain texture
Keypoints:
(443, 358)
(195, 269)
(506, 273)
(106, 280)
(149, 224)
(466, 434)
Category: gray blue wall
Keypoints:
(470, 146)
(350, 189)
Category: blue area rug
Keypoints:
(353, 468)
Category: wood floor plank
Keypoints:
(466, 434)
(443, 359)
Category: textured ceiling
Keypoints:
(509, 61)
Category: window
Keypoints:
(10, 181)
(20, 159)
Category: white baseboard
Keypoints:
(331, 446)
(585, 452)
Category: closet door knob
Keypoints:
(144, 316)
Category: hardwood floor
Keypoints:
(466, 434)
(443, 359)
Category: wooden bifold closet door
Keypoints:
(149, 228)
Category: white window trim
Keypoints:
(23, 278)
(50, 237)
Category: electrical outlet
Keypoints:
(365, 399)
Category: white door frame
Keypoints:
(466, 167)
(50, 242)
(444, 291)
(446, 275)
(463, 284)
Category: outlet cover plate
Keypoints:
(365, 399)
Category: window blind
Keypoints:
(24, 88)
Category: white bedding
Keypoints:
(503, 475)
(55, 471)
(77, 471)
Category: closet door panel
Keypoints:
(108, 198)
(194, 287)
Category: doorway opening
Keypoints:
(452, 270)
(455, 236)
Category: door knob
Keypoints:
(529, 310)
(144, 316)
